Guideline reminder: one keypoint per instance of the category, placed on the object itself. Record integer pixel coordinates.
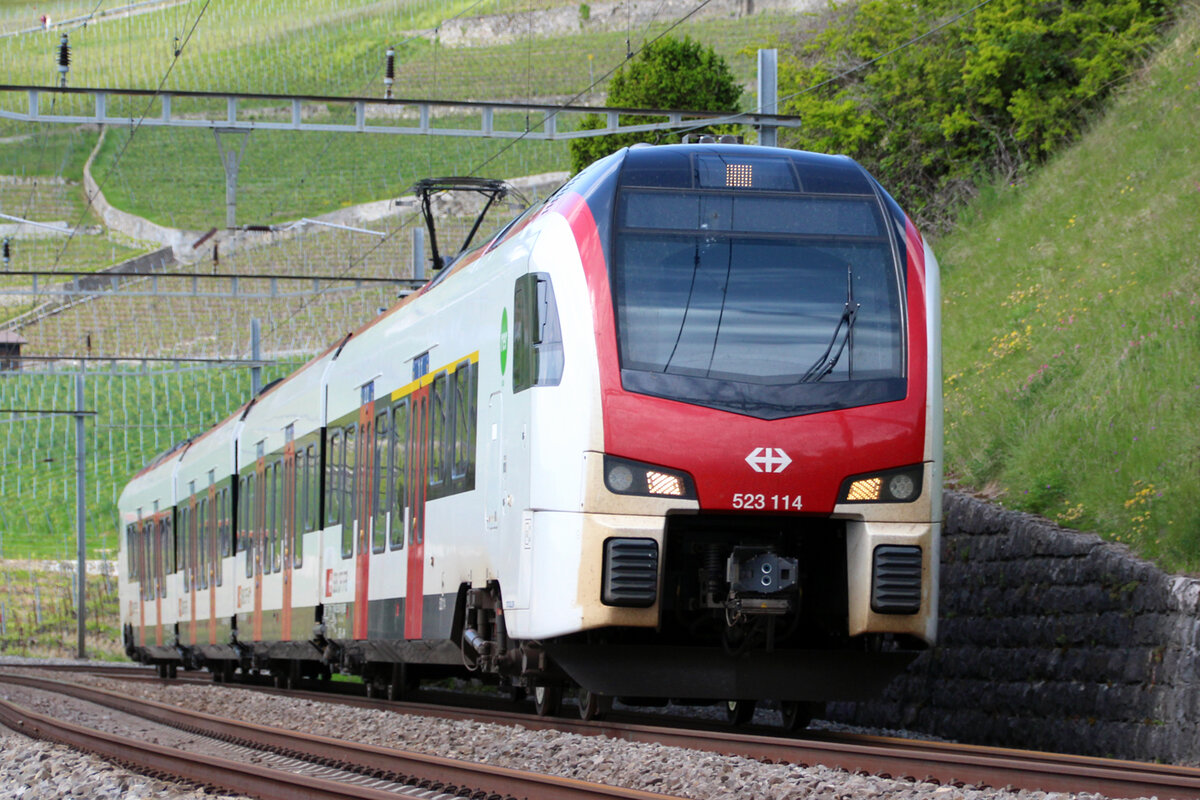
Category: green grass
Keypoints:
(39, 614)
(1071, 333)
(141, 413)
(45, 173)
(174, 177)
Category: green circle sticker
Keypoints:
(503, 340)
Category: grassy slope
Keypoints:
(1072, 341)
(140, 415)
(174, 176)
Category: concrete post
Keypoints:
(768, 94)
(231, 160)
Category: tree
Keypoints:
(667, 73)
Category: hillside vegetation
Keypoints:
(1071, 337)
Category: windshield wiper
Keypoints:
(825, 364)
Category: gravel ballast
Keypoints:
(650, 767)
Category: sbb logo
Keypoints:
(768, 459)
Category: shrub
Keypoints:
(993, 91)
(667, 73)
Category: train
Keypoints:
(673, 434)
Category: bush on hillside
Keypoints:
(993, 91)
(667, 73)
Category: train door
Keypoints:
(146, 533)
(212, 557)
(361, 508)
(418, 461)
(156, 583)
(515, 541)
(288, 531)
(193, 561)
(259, 542)
(495, 463)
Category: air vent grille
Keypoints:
(630, 572)
(896, 580)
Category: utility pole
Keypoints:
(231, 160)
(768, 94)
(80, 517)
(255, 357)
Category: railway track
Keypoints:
(299, 765)
(944, 763)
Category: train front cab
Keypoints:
(764, 519)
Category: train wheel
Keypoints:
(796, 714)
(739, 712)
(161, 669)
(172, 670)
(591, 705)
(547, 699)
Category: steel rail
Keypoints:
(369, 759)
(940, 762)
(228, 775)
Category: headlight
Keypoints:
(893, 486)
(646, 480)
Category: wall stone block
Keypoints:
(1051, 639)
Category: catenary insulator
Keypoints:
(64, 59)
(389, 73)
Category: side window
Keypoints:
(193, 547)
(336, 456)
(314, 489)
(537, 334)
(464, 420)
(202, 545)
(160, 546)
(130, 564)
(380, 484)
(185, 519)
(439, 412)
(300, 517)
(147, 544)
(225, 526)
(399, 472)
(248, 539)
(349, 483)
(167, 536)
(222, 534)
(301, 492)
(278, 529)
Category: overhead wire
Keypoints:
(779, 101)
(136, 126)
(362, 257)
(332, 137)
(882, 56)
(631, 54)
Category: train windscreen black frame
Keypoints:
(741, 300)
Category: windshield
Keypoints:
(732, 300)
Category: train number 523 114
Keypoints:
(765, 502)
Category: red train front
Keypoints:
(768, 346)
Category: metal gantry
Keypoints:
(234, 111)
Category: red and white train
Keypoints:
(675, 432)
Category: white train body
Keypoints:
(448, 483)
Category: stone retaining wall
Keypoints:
(1052, 640)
